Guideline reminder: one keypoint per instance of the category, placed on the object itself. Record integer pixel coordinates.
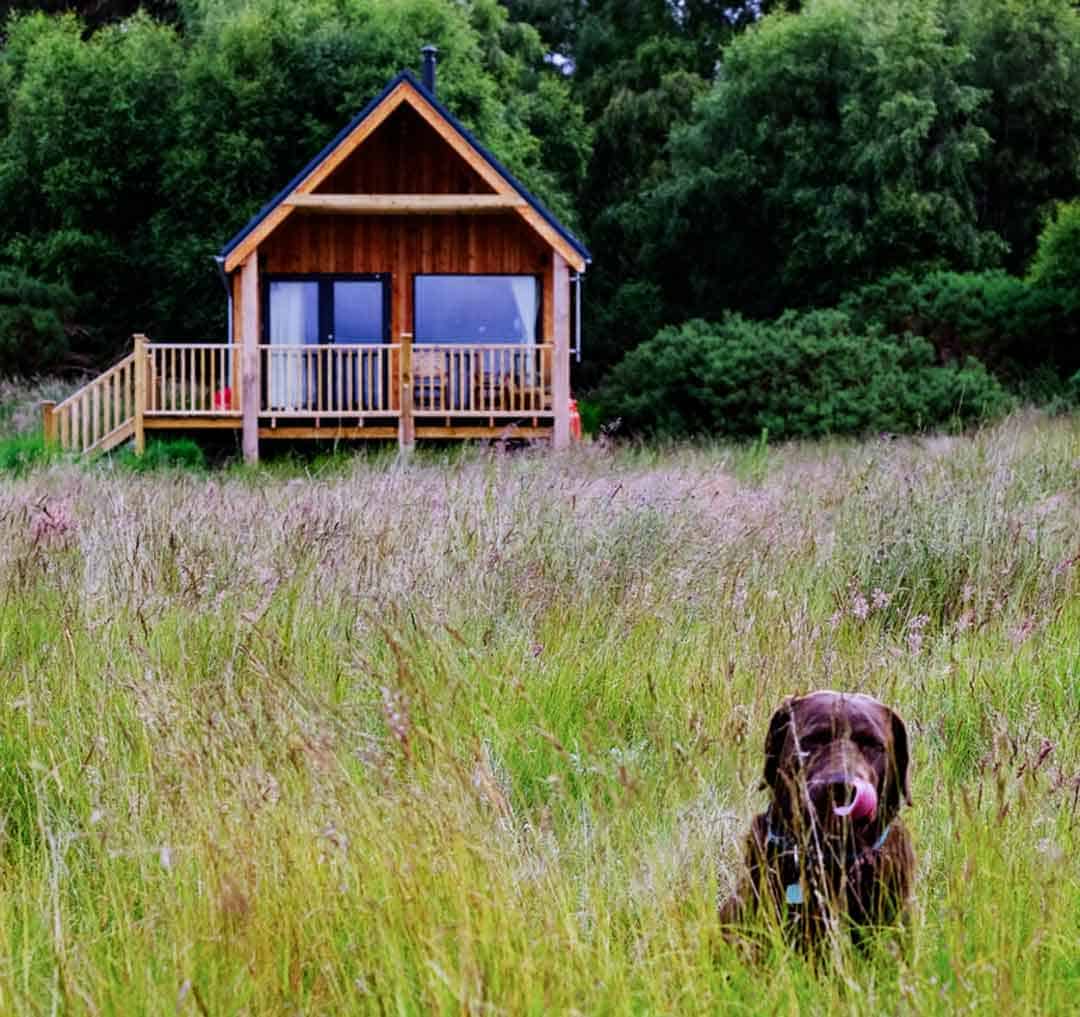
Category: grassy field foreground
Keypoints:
(483, 736)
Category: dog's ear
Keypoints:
(899, 782)
(774, 742)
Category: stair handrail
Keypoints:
(99, 414)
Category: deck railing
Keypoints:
(192, 380)
(338, 381)
(494, 380)
(198, 384)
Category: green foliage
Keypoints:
(803, 375)
(1025, 60)
(718, 155)
(835, 146)
(165, 454)
(88, 122)
(1057, 259)
(630, 155)
(1012, 327)
(33, 314)
(857, 138)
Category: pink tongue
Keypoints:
(863, 805)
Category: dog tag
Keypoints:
(793, 893)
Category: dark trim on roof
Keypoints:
(499, 168)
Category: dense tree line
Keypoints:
(894, 160)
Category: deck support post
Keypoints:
(142, 367)
(560, 370)
(250, 390)
(48, 421)
(406, 424)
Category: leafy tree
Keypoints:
(629, 156)
(1025, 57)
(836, 145)
(87, 125)
(1014, 328)
(93, 13)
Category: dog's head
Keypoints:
(838, 759)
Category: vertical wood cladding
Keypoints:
(405, 155)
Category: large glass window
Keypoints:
(477, 309)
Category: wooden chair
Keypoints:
(431, 381)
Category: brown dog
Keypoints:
(829, 849)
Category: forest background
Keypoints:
(806, 218)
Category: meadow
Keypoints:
(480, 732)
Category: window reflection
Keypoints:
(477, 309)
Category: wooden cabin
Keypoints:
(403, 285)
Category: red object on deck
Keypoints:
(223, 399)
(575, 421)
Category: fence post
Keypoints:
(406, 427)
(142, 366)
(48, 421)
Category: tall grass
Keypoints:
(20, 402)
(483, 735)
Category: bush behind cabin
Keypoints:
(800, 376)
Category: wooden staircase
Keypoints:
(100, 416)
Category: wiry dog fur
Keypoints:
(814, 869)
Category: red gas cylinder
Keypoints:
(575, 421)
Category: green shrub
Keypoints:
(1012, 326)
(1057, 257)
(803, 375)
(160, 454)
(591, 419)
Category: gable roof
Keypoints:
(404, 88)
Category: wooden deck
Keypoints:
(401, 391)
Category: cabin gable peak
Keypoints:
(503, 192)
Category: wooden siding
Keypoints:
(409, 245)
(404, 155)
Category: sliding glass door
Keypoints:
(305, 313)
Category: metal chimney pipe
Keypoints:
(430, 54)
